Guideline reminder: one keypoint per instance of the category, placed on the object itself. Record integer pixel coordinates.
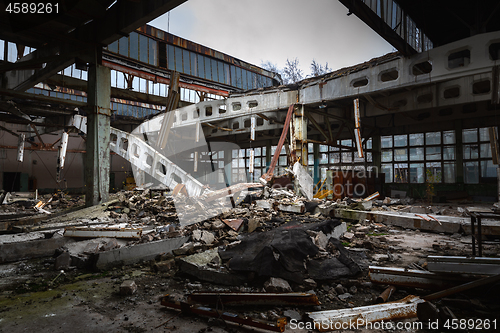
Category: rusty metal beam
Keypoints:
(281, 299)
(343, 319)
(45, 148)
(275, 326)
(463, 287)
(267, 176)
(89, 232)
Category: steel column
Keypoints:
(97, 158)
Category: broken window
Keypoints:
(416, 173)
(471, 172)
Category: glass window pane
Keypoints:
(171, 57)
(178, 59)
(485, 150)
(233, 76)
(400, 154)
(416, 154)
(257, 152)
(471, 152)
(401, 173)
(471, 172)
(244, 79)
(386, 155)
(469, 135)
(334, 158)
(323, 158)
(347, 143)
(134, 45)
(484, 134)
(387, 170)
(433, 153)
(123, 45)
(488, 169)
(417, 139)
(400, 140)
(433, 172)
(449, 137)
(186, 62)
(433, 138)
(449, 153)
(220, 70)
(323, 148)
(239, 79)
(449, 172)
(113, 47)
(201, 66)
(347, 157)
(386, 141)
(153, 54)
(369, 143)
(213, 63)
(208, 70)
(194, 64)
(143, 48)
(417, 173)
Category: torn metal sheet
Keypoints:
(110, 232)
(275, 326)
(20, 147)
(278, 299)
(463, 265)
(234, 224)
(332, 320)
(412, 278)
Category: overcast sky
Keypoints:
(274, 30)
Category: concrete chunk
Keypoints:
(128, 287)
(277, 285)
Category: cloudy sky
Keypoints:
(274, 30)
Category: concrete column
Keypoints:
(459, 153)
(97, 158)
(269, 157)
(300, 132)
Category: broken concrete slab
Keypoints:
(197, 265)
(108, 232)
(32, 249)
(304, 180)
(63, 261)
(203, 236)
(298, 207)
(138, 252)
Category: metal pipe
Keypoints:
(382, 298)
(463, 287)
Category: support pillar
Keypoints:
(97, 158)
(377, 152)
(300, 133)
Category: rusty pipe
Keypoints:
(382, 298)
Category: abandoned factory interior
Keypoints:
(152, 183)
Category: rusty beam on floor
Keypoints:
(275, 326)
(278, 299)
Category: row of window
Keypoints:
(421, 157)
(145, 49)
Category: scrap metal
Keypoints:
(275, 326)
(267, 176)
(340, 319)
(234, 224)
(382, 298)
(412, 278)
(237, 298)
(463, 265)
(463, 287)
